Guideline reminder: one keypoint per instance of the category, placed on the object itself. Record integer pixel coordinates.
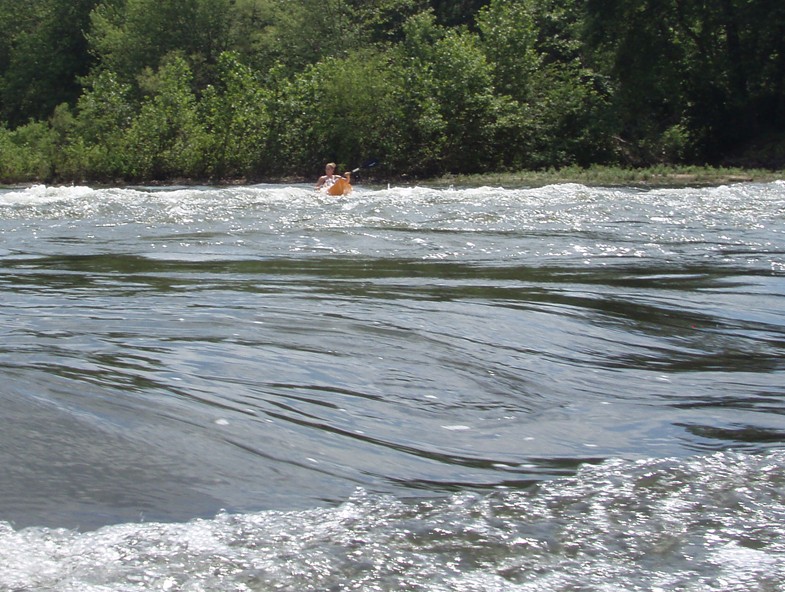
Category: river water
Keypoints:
(411, 388)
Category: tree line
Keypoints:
(143, 90)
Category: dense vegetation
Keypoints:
(113, 90)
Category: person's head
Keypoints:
(329, 168)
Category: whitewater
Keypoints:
(422, 388)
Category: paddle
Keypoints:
(368, 164)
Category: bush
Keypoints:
(167, 139)
(341, 109)
(26, 153)
(237, 122)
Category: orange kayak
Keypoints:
(340, 187)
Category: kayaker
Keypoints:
(329, 177)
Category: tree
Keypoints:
(249, 24)
(302, 33)
(104, 113)
(26, 152)
(236, 117)
(167, 139)
(451, 102)
(452, 13)
(383, 20)
(716, 71)
(735, 71)
(508, 37)
(343, 118)
(634, 45)
(128, 36)
(551, 111)
(42, 56)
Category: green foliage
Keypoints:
(216, 89)
(448, 97)
(508, 37)
(716, 70)
(735, 58)
(575, 115)
(129, 36)
(341, 110)
(250, 23)
(105, 113)
(464, 92)
(384, 19)
(553, 113)
(42, 55)
(167, 139)
(26, 152)
(302, 33)
(68, 157)
(236, 119)
(453, 13)
(636, 41)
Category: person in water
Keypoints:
(329, 178)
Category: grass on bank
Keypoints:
(597, 175)
(656, 176)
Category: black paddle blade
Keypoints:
(368, 164)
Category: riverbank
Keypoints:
(595, 176)
(663, 176)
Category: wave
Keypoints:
(168, 352)
(701, 523)
(567, 223)
(566, 203)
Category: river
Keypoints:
(408, 388)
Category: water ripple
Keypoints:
(262, 347)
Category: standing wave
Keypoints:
(696, 524)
